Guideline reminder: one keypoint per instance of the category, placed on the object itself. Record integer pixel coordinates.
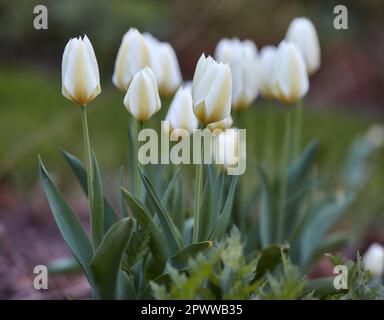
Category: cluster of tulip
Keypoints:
(146, 67)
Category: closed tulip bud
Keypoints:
(133, 55)
(373, 259)
(242, 59)
(303, 34)
(221, 125)
(80, 72)
(211, 90)
(165, 65)
(180, 114)
(266, 58)
(289, 74)
(142, 99)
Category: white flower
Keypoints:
(242, 59)
(165, 65)
(180, 113)
(228, 151)
(80, 72)
(221, 125)
(289, 75)
(142, 99)
(211, 90)
(374, 259)
(266, 58)
(303, 34)
(133, 55)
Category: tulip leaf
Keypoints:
(68, 223)
(301, 166)
(106, 263)
(122, 204)
(144, 218)
(170, 230)
(223, 220)
(181, 259)
(268, 259)
(170, 187)
(110, 216)
(97, 217)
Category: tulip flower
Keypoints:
(80, 72)
(289, 75)
(266, 57)
(221, 125)
(211, 90)
(242, 59)
(133, 55)
(180, 114)
(303, 34)
(142, 98)
(165, 65)
(373, 259)
(229, 152)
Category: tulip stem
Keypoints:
(198, 191)
(298, 129)
(284, 175)
(139, 127)
(89, 166)
(269, 143)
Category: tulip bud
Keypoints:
(165, 65)
(373, 259)
(242, 59)
(80, 72)
(142, 99)
(133, 55)
(289, 74)
(180, 114)
(221, 125)
(303, 34)
(211, 90)
(229, 153)
(266, 57)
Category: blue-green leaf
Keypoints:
(106, 263)
(97, 217)
(68, 223)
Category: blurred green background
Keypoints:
(345, 98)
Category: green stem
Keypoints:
(198, 192)
(138, 187)
(89, 166)
(298, 129)
(284, 175)
(269, 142)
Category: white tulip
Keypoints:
(266, 57)
(242, 59)
(303, 34)
(221, 125)
(165, 65)
(80, 72)
(133, 55)
(229, 153)
(211, 90)
(180, 114)
(142, 98)
(373, 259)
(289, 74)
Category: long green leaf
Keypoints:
(181, 259)
(106, 263)
(222, 222)
(170, 230)
(158, 244)
(170, 187)
(110, 216)
(123, 207)
(97, 205)
(68, 223)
